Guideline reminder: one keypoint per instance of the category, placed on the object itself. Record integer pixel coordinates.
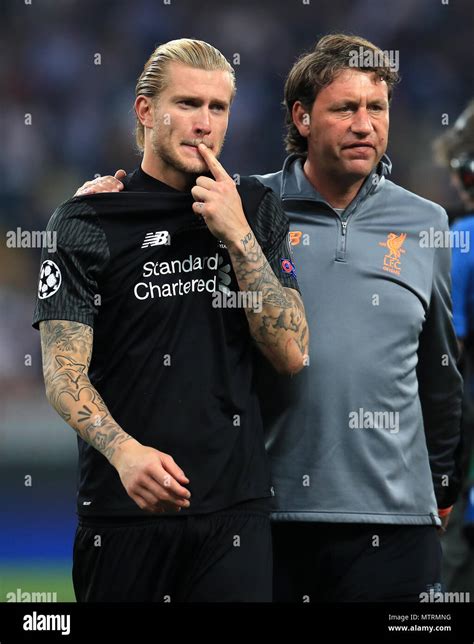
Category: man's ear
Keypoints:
(144, 110)
(301, 118)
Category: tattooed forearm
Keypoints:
(67, 351)
(246, 240)
(280, 327)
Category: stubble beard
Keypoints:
(165, 152)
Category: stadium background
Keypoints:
(82, 123)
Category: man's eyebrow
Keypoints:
(219, 101)
(198, 99)
(344, 101)
(186, 97)
(338, 102)
(382, 102)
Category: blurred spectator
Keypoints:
(455, 150)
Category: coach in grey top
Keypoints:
(364, 442)
(347, 437)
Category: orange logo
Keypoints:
(295, 237)
(391, 260)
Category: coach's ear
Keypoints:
(301, 118)
(144, 110)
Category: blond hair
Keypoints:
(193, 53)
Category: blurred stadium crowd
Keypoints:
(68, 78)
(68, 75)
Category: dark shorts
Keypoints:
(332, 562)
(225, 556)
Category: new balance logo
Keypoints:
(160, 238)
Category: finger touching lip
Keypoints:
(194, 143)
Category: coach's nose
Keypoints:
(361, 123)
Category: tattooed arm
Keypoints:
(279, 327)
(67, 350)
(151, 478)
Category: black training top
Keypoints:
(173, 364)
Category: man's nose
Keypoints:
(361, 123)
(202, 125)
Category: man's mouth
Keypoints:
(359, 145)
(194, 144)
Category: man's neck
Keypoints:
(336, 192)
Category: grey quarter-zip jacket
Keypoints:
(369, 431)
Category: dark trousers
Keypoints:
(220, 557)
(336, 562)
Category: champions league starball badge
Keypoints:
(49, 280)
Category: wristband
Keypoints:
(444, 513)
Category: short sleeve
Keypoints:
(272, 228)
(71, 263)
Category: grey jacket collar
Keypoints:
(295, 185)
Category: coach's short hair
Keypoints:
(318, 68)
(194, 53)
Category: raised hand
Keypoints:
(218, 202)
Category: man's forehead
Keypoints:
(183, 79)
(355, 83)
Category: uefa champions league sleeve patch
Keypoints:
(288, 267)
(49, 280)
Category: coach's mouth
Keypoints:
(358, 146)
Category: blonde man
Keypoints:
(148, 347)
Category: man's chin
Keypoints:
(359, 168)
(193, 167)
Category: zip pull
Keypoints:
(341, 250)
